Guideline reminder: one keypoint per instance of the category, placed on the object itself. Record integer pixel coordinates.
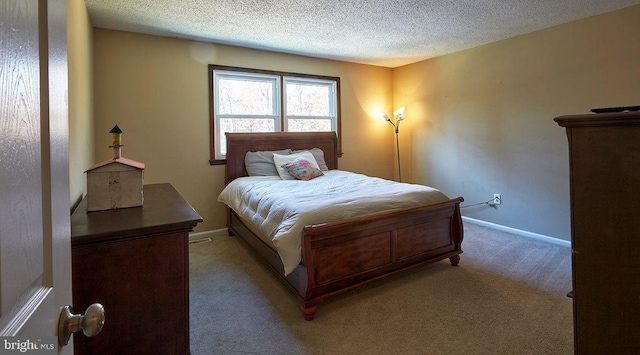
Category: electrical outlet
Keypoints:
(497, 199)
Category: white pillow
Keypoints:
(279, 159)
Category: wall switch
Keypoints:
(497, 199)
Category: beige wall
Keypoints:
(80, 62)
(481, 121)
(156, 90)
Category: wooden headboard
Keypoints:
(238, 144)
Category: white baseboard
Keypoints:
(561, 242)
(208, 234)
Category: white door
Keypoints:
(35, 253)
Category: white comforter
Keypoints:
(279, 209)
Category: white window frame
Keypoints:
(280, 79)
(234, 75)
(330, 84)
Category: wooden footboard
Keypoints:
(344, 256)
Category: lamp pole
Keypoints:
(398, 150)
(399, 116)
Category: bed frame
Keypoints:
(344, 256)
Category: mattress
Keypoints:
(280, 209)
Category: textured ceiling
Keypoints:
(387, 33)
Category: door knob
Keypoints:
(91, 322)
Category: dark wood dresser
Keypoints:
(604, 161)
(135, 261)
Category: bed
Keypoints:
(345, 255)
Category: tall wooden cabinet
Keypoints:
(135, 261)
(604, 151)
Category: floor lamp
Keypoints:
(398, 115)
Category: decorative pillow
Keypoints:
(261, 163)
(318, 154)
(302, 169)
(279, 159)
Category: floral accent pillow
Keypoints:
(302, 169)
(278, 160)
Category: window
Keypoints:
(249, 100)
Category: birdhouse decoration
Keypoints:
(117, 182)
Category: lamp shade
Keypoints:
(399, 114)
(399, 111)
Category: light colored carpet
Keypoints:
(507, 296)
